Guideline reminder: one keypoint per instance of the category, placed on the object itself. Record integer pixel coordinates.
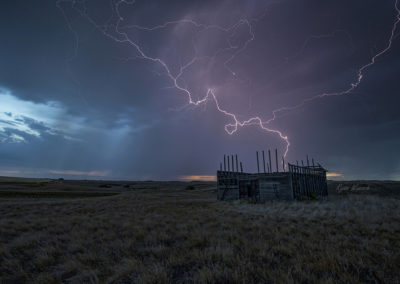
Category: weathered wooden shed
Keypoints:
(293, 182)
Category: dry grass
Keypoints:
(177, 235)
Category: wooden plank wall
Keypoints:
(302, 181)
(228, 185)
(308, 180)
(275, 187)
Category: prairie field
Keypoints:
(55, 231)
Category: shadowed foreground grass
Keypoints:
(49, 194)
(176, 235)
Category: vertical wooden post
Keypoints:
(233, 165)
(283, 163)
(241, 167)
(264, 161)
(270, 164)
(267, 167)
(258, 165)
(224, 163)
(276, 160)
(229, 168)
(308, 162)
(237, 165)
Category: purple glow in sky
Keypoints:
(156, 90)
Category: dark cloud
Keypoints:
(74, 100)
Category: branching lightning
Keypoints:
(353, 85)
(118, 33)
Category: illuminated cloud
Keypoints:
(9, 172)
(21, 120)
(80, 173)
(198, 178)
(87, 102)
(334, 175)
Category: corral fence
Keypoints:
(308, 181)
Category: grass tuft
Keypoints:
(164, 233)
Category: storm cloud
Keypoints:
(79, 100)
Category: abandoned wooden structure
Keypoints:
(289, 183)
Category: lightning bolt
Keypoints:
(316, 37)
(74, 53)
(354, 84)
(117, 32)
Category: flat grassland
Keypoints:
(161, 232)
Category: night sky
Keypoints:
(161, 90)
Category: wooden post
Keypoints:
(270, 165)
(258, 165)
(229, 168)
(264, 161)
(241, 167)
(233, 165)
(283, 163)
(308, 162)
(224, 163)
(237, 165)
(276, 160)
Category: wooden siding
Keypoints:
(308, 181)
(275, 187)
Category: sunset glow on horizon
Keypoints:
(198, 178)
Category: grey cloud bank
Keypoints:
(76, 103)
